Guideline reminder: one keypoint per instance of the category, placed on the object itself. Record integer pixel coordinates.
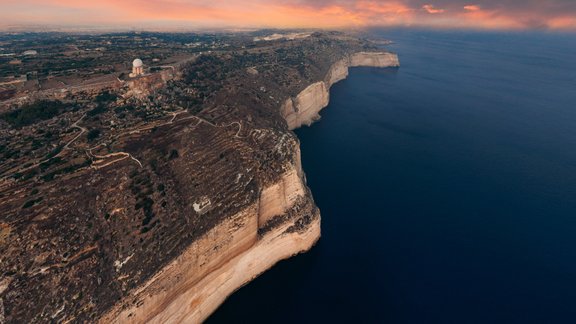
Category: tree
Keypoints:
(93, 134)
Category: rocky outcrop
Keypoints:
(144, 85)
(278, 198)
(284, 221)
(370, 59)
(304, 108)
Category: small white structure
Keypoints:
(137, 68)
(202, 206)
(30, 53)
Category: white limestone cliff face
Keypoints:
(233, 253)
(281, 196)
(338, 72)
(304, 108)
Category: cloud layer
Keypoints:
(490, 14)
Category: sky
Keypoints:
(482, 14)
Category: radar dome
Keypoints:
(137, 63)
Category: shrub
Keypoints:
(173, 154)
(28, 204)
(32, 202)
(98, 110)
(34, 112)
(106, 96)
(93, 134)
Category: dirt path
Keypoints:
(74, 125)
(103, 157)
(82, 131)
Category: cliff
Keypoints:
(304, 108)
(283, 222)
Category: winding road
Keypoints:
(82, 131)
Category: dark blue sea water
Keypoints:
(447, 190)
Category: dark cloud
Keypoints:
(511, 6)
(530, 13)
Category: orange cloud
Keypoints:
(285, 13)
(567, 22)
(396, 8)
(375, 13)
(430, 9)
(472, 8)
(216, 13)
(489, 19)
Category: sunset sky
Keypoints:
(489, 14)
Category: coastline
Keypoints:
(284, 222)
(304, 108)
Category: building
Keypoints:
(137, 68)
(30, 53)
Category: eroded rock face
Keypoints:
(283, 222)
(304, 108)
(338, 72)
(277, 198)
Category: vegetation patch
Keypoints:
(106, 96)
(32, 202)
(101, 108)
(93, 134)
(35, 112)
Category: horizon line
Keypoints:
(89, 28)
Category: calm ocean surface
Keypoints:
(447, 190)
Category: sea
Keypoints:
(447, 189)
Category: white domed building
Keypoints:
(137, 68)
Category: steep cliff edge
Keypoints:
(284, 221)
(304, 108)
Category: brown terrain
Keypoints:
(153, 199)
